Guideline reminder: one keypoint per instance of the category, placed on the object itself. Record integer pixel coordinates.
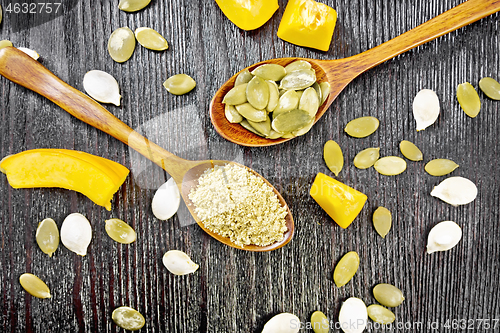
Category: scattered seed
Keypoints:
(47, 236)
(319, 322)
(151, 39)
(166, 200)
(410, 151)
(298, 79)
(353, 315)
(132, 5)
(179, 84)
(455, 191)
(232, 114)
(425, 108)
(382, 221)
(334, 159)
(34, 286)
(282, 323)
(489, 86)
(443, 236)
(243, 77)
(440, 167)
(76, 233)
(179, 263)
(257, 93)
(362, 127)
(121, 44)
(120, 231)
(128, 318)
(380, 315)
(102, 87)
(272, 72)
(388, 295)
(290, 121)
(251, 113)
(237, 95)
(346, 268)
(390, 165)
(297, 65)
(366, 158)
(29, 52)
(469, 99)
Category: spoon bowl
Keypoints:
(340, 72)
(18, 67)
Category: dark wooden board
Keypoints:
(233, 290)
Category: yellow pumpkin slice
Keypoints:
(248, 14)
(93, 176)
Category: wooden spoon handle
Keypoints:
(18, 67)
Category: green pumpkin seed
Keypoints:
(34, 286)
(319, 322)
(133, 5)
(382, 221)
(390, 165)
(179, 84)
(325, 91)
(237, 95)
(300, 93)
(346, 268)
(334, 159)
(128, 318)
(272, 72)
(304, 129)
(243, 77)
(47, 236)
(318, 91)
(151, 39)
(309, 101)
(388, 295)
(263, 127)
(273, 96)
(232, 115)
(121, 44)
(489, 86)
(288, 136)
(274, 135)
(288, 101)
(5, 43)
(380, 315)
(297, 65)
(362, 127)
(249, 127)
(257, 93)
(469, 99)
(366, 158)
(410, 151)
(440, 167)
(290, 121)
(299, 79)
(120, 231)
(251, 113)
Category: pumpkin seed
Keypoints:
(390, 165)
(318, 91)
(469, 99)
(287, 135)
(246, 125)
(120, 231)
(288, 101)
(382, 221)
(179, 84)
(300, 93)
(102, 87)
(319, 322)
(128, 318)
(29, 52)
(425, 108)
(297, 65)
(166, 200)
(388, 295)
(304, 129)
(282, 323)
(362, 127)
(299, 79)
(366, 158)
(273, 72)
(179, 263)
(410, 151)
(325, 91)
(5, 43)
(251, 113)
(274, 135)
(237, 95)
(151, 39)
(34, 285)
(346, 268)
(76, 233)
(47, 236)
(455, 191)
(263, 127)
(257, 93)
(291, 121)
(489, 86)
(121, 44)
(334, 159)
(232, 115)
(380, 315)
(353, 316)
(273, 96)
(443, 236)
(309, 101)
(440, 167)
(243, 77)
(133, 5)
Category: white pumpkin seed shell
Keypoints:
(443, 236)
(179, 263)
(425, 108)
(282, 323)
(102, 87)
(166, 200)
(76, 233)
(353, 315)
(455, 191)
(29, 52)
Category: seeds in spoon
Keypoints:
(251, 113)
(299, 79)
(273, 96)
(179, 84)
(243, 77)
(5, 43)
(319, 322)
(121, 44)
(489, 86)
(309, 101)
(388, 295)
(297, 65)
(290, 121)
(366, 158)
(346, 268)
(382, 221)
(102, 87)
(132, 5)
(353, 315)
(380, 315)
(455, 191)
(443, 236)
(469, 99)
(151, 39)
(237, 95)
(325, 91)
(425, 108)
(246, 125)
(179, 263)
(128, 318)
(47, 236)
(282, 323)
(257, 93)
(390, 165)
(333, 156)
(440, 167)
(76, 233)
(263, 127)
(362, 127)
(166, 200)
(304, 129)
(120, 231)
(34, 285)
(410, 151)
(288, 101)
(272, 72)
(232, 114)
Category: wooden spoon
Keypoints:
(18, 67)
(340, 72)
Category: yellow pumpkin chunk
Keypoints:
(248, 14)
(341, 202)
(93, 176)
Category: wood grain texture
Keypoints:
(238, 291)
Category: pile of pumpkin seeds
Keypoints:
(274, 101)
